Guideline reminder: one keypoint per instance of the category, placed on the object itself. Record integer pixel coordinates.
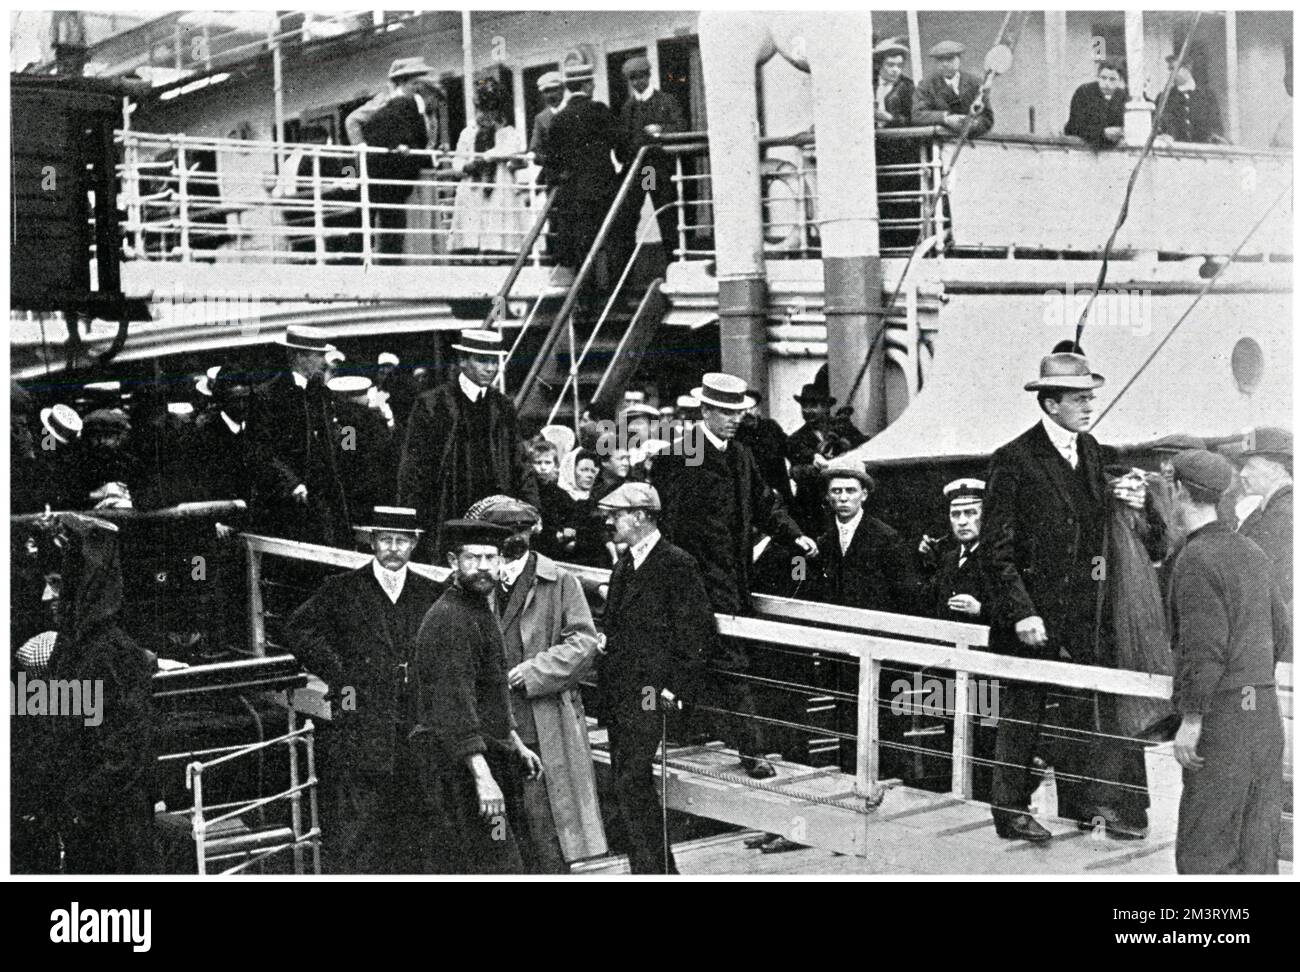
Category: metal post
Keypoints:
(467, 62)
(868, 763)
(295, 797)
(318, 208)
(194, 778)
(961, 723)
(256, 610)
(1138, 111)
(573, 373)
(183, 197)
(1230, 76)
(914, 41)
(312, 782)
(362, 159)
(681, 211)
(1054, 47)
(277, 82)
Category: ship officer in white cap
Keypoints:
(957, 584)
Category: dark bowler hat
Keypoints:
(62, 422)
(814, 394)
(724, 391)
(636, 65)
(505, 511)
(1207, 470)
(474, 340)
(948, 48)
(460, 533)
(1069, 372)
(1267, 441)
(393, 519)
(964, 492)
(843, 469)
(305, 338)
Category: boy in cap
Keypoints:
(946, 96)
(1229, 627)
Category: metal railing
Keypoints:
(193, 199)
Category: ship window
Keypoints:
(1247, 364)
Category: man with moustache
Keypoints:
(550, 643)
(955, 588)
(358, 634)
(1266, 472)
(470, 752)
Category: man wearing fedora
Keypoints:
(1265, 466)
(1229, 627)
(401, 72)
(291, 424)
(462, 440)
(1046, 516)
(551, 644)
(470, 753)
(946, 96)
(810, 447)
(714, 502)
(357, 633)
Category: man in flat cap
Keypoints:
(401, 73)
(1265, 464)
(106, 472)
(471, 754)
(357, 633)
(946, 96)
(1229, 627)
(462, 440)
(660, 627)
(580, 167)
(291, 425)
(1046, 517)
(551, 644)
(714, 500)
(551, 87)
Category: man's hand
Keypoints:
(955, 122)
(1032, 631)
(1112, 133)
(883, 117)
(1131, 490)
(820, 461)
(928, 545)
(1189, 734)
(491, 801)
(300, 493)
(516, 676)
(808, 545)
(654, 130)
(965, 604)
(224, 532)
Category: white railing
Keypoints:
(191, 199)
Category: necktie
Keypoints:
(961, 560)
(1071, 454)
(503, 597)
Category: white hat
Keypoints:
(477, 341)
(388, 358)
(62, 422)
(724, 391)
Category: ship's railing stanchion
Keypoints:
(366, 240)
(318, 208)
(256, 607)
(868, 755)
(961, 725)
(183, 198)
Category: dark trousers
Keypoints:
(1075, 734)
(389, 240)
(739, 728)
(654, 181)
(1230, 814)
(463, 841)
(371, 822)
(633, 742)
(539, 839)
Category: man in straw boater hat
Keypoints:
(1046, 517)
(1229, 627)
(1265, 466)
(462, 440)
(551, 644)
(714, 497)
(660, 627)
(470, 752)
(290, 423)
(357, 633)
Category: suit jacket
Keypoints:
(547, 623)
(1091, 114)
(948, 580)
(362, 645)
(899, 103)
(659, 109)
(537, 142)
(578, 159)
(438, 443)
(660, 629)
(1191, 116)
(767, 441)
(222, 463)
(398, 122)
(1270, 526)
(935, 98)
(876, 573)
(695, 498)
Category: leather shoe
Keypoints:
(1022, 827)
(758, 769)
(1111, 825)
(781, 845)
(761, 840)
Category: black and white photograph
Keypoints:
(608, 444)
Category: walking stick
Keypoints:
(669, 701)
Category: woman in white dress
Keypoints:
(490, 213)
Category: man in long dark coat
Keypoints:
(713, 501)
(947, 96)
(1097, 108)
(1192, 114)
(1229, 628)
(660, 628)
(462, 442)
(290, 422)
(357, 633)
(1046, 518)
(470, 752)
(1266, 473)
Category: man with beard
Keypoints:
(358, 634)
(469, 749)
(550, 643)
(462, 441)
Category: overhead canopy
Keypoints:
(989, 346)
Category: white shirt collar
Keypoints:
(954, 82)
(392, 581)
(719, 444)
(641, 549)
(1064, 440)
(299, 380)
(646, 95)
(578, 494)
(472, 391)
(1189, 87)
(510, 571)
(848, 530)
(231, 424)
